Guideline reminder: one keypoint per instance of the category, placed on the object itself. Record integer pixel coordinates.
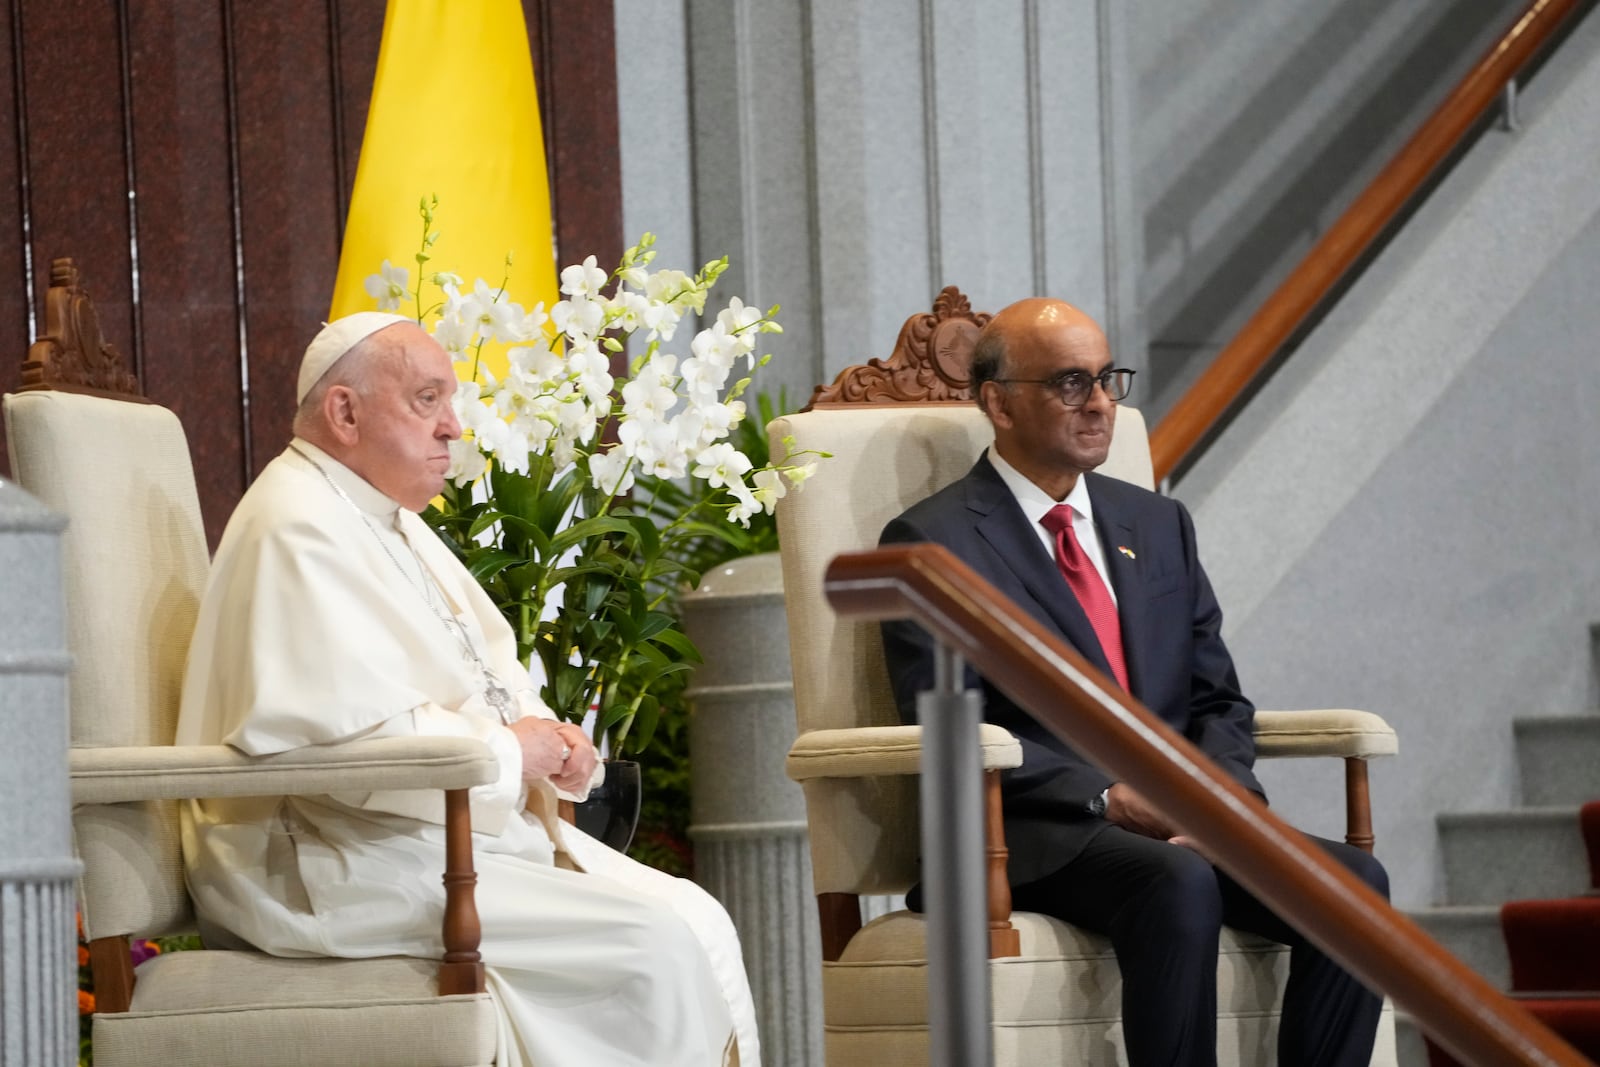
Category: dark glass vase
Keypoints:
(612, 811)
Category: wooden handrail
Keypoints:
(1243, 358)
(1274, 861)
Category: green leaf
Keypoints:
(649, 535)
(592, 527)
(654, 623)
(487, 519)
(679, 642)
(569, 685)
(515, 494)
(644, 722)
(486, 563)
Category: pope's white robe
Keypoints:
(314, 629)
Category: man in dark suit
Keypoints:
(1113, 569)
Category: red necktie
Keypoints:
(1089, 588)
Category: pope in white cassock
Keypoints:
(334, 613)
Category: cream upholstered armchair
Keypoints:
(135, 562)
(900, 429)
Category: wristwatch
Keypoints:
(1097, 806)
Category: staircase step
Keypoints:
(1495, 856)
(1559, 757)
(1472, 934)
(1554, 944)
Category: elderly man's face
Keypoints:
(1038, 434)
(407, 423)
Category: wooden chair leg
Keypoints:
(1003, 937)
(112, 966)
(839, 916)
(1357, 805)
(462, 969)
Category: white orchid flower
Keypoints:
(661, 320)
(769, 489)
(467, 464)
(745, 504)
(720, 418)
(532, 325)
(627, 311)
(585, 280)
(799, 473)
(668, 286)
(576, 419)
(388, 286)
(491, 314)
(610, 472)
(454, 335)
(736, 317)
(703, 379)
(716, 346)
(579, 318)
(650, 393)
(721, 465)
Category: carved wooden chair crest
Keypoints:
(931, 362)
(72, 356)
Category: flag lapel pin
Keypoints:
(1126, 551)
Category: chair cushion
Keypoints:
(1058, 1002)
(245, 1009)
(1064, 975)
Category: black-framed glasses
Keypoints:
(1074, 387)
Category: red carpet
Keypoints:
(1554, 947)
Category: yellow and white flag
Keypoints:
(455, 114)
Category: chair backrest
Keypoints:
(135, 560)
(891, 447)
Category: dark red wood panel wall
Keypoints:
(196, 158)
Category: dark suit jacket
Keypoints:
(1171, 637)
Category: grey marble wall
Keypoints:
(38, 964)
(853, 157)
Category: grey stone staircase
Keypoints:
(1531, 852)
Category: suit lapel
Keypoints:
(1000, 521)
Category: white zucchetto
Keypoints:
(334, 340)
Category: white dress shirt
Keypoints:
(1036, 503)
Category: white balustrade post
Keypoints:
(748, 820)
(38, 959)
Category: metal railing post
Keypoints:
(953, 883)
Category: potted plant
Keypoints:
(576, 493)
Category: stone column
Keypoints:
(38, 962)
(748, 821)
